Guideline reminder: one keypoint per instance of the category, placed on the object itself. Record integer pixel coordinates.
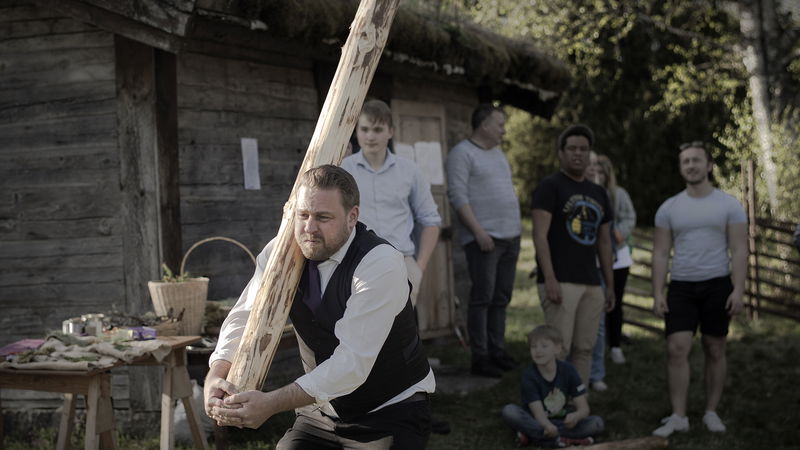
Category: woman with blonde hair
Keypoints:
(624, 222)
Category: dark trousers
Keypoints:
(614, 317)
(402, 426)
(492, 275)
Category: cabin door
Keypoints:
(419, 134)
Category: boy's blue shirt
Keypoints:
(555, 394)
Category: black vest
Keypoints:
(401, 362)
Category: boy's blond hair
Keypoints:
(545, 332)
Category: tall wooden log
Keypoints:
(337, 119)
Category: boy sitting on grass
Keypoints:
(546, 388)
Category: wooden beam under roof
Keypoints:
(158, 23)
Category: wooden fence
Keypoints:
(773, 285)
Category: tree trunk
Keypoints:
(339, 114)
(757, 23)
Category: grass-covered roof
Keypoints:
(510, 69)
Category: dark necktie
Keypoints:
(313, 295)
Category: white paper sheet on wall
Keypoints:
(404, 150)
(252, 180)
(428, 156)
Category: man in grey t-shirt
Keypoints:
(481, 192)
(702, 224)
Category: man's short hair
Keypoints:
(482, 112)
(578, 129)
(545, 332)
(329, 177)
(697, 144)
(377, 111)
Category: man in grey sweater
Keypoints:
(481, 192)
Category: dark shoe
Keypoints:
(504, 361)
(485, 368)
(439, 426)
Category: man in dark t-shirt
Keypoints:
(571, 220)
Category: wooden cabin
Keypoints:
(122, 128)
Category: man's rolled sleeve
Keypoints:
(423, 207)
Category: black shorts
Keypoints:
(703, 302)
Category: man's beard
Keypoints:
(694, 181)
(323, 249)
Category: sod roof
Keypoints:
(513, 71)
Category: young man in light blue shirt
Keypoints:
(394, 193)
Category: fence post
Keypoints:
(751, 237)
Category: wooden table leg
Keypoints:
(105, 423)
(92, 403)
(167, 409)
(67, 421)
(99, 414)
(2, 425)
(177, 385)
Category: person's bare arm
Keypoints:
(541, 226)
(427, 244)
(606, 262)
(467, 217)
(540, 415)
(581, 412)
(662, 243)
(737, 243)
(251, 409)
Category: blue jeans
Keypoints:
(521, 420)
(492, 275)
(598, 371)
(598, 354)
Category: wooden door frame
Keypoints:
(399, 106)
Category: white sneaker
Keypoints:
(617, 357)
(599, 386)
(713, 422)
(671, 424)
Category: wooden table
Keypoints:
(95, 386)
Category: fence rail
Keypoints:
(778, 295)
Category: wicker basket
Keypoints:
(184, 297)
(187, 297)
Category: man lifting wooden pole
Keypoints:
(360, 56)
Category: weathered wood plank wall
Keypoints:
(60, 233)
(60, 248)
(221, 101)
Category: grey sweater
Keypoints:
(482, 179)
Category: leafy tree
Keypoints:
(648, 76)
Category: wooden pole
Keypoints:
(360, 55)
(752, 233)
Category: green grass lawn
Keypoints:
(760, 405)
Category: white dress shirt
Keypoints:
(378, 294)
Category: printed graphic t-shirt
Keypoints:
(554, 394)
(578, 209)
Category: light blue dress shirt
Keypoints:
(393, 198)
